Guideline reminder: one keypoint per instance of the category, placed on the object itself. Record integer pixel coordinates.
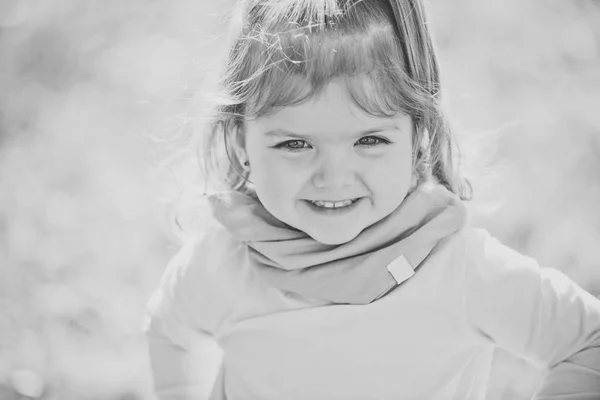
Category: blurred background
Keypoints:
(96, 96)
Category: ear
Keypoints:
(238, 145)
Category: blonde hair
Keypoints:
(285, 52)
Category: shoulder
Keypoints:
(207, 259)
(206, 244)
(212, 246)
(493, 270)
(484, 251)
(478, 258)
(196, 284)
(200, 249)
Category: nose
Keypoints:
(334, 171)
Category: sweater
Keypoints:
(432, 337)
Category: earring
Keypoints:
(246, 163)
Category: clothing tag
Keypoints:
(400, 269)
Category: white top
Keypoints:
(433, 337)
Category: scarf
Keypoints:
(356, 272)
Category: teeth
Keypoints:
(332, 204)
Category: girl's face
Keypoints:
(325, 153)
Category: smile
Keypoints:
(333, 204)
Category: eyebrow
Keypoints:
(286, 133)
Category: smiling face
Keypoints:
(307, 158)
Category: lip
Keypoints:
(335, 201)
(333, 212)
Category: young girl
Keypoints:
(340, 264)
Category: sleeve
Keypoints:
(535, 313)
(179, 307)
(181, 316)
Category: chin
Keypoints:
(333, 238)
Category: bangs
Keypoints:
(283, 61)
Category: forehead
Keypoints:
(333, 110)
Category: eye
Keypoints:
(293, 145)
(370, 141)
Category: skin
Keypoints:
(329, 149)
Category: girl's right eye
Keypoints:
(293, 145)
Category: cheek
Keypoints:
(267, 174)
(395, 165)
(272, 176)
(390, 179)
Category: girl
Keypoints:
(340, 264)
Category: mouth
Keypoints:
(333, 208)
(333, 204)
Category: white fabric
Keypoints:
(431, 338)
(400, 269)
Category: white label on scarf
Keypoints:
(400, 269)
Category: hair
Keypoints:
(285, 52)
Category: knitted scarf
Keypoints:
(357, 272)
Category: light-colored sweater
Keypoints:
(431, 338)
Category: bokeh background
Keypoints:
(98, 96)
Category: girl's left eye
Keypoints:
(371, 141)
